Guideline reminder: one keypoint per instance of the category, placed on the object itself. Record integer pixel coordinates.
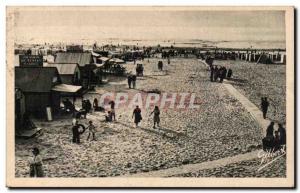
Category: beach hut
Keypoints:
(41, 87)
(82, 59)
(36, 84)
(69, 72)
(283, 58)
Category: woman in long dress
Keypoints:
(137, 115)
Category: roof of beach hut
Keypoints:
(64, 68)
(80, 58)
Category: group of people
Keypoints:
(86, 107)
(35, 163)
(137, 115)
(274, 140)
(79, 129)
(139, 70)
(131, 79)
(219, 73)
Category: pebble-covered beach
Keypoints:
(219, 128)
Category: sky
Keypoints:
(93, 24)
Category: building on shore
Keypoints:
(84, 60)
(69, 72)
(41, 88)
(36, 84)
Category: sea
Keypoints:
(196, 43)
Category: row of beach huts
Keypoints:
(41, 84)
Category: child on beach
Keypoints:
(112, 110)
(36, 164)
(108, 117)
(92, 130)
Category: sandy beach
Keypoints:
(220, 128)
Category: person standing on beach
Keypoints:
(92, 130)
(137, 114)
(156, 118)
(112, 110)
(216, 73)
(222, 73)
(129, 80)
(160, 65)
(229, 73)
(212, 71)
(282, 134)
(134, 81)
(88, 106)
(36, 164)
(264, 106)
(270, 130)
(76, 134)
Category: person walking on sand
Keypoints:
(264, 106)
(129, 80)
(156, 118)
(92, 130)
(137, 115)
(36, 164)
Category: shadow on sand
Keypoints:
(164, 132)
